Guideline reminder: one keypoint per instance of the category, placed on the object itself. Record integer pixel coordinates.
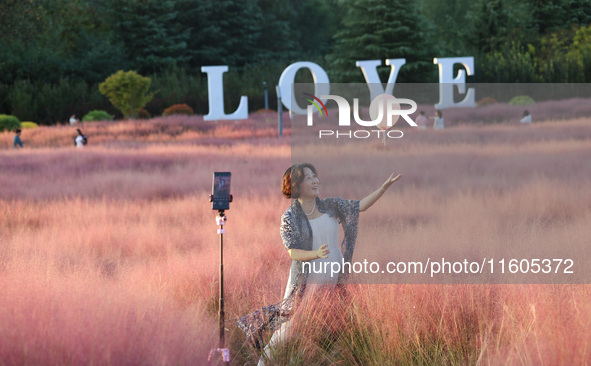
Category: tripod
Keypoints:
(221, 220)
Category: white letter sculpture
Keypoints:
(215, 90)
(370, 72)
(447, 82)
(321, 84)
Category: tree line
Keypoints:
(54, 53)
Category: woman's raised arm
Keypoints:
(368, 201)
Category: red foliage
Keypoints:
(487, 101)
(178, 109)
(144, 114)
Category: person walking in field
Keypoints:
(526, 119)
(438, 120)
(80, 140)
(422, 121)
(17, 142)
(310, 232)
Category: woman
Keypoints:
(526, 117)
(422, 121)
(438, 120)
(17, 139)
(309, 229)
(80, 139)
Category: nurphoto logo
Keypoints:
(384, 111)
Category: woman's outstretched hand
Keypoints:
(323, 251)
(391, 180)
(368, 201)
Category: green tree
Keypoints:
(93, 63)
(46, 40)
(579, 55)
(279, 39)
(313, 23)
(495, 24)
(242, 33)
(9, 123)
(550, 15)
(228, 32)
(566, 55)
(381, 29)
(151, 35)
(127, 91)
(445, 25)
(22, 20)
(89, 45)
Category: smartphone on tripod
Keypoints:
(220, 198)
(221, 190)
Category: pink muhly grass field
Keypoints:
(175, 129)
(109, 254)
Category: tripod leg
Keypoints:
(210, 357)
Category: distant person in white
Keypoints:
(79, 139)
(526, 117)
(73, 119)
(438, 120)
(422, 121)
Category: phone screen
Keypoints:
(221, 190)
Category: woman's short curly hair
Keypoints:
(293, 176)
